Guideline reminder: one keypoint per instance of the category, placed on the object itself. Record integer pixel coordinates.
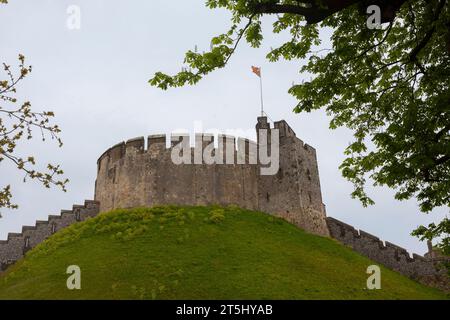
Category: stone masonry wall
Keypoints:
(428, 271)
(18, 244)
(130, 175)
(294, 192)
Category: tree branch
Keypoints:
(314, 13)
(311, 12)
(415, 52)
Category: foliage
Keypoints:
(216, 216)
(390, 86)
(17, 124)
(436, 231)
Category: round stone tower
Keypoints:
(133, 175)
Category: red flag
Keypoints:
(256, 71)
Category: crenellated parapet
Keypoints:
(176, 169)
(429, 271)
(284, 128)
(185, 170)
(203, 142)
(17, 244)
(240, 147)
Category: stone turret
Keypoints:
(294, 192)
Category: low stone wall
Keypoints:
(428, 271)
(18, 244)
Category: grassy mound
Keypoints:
(198, 253)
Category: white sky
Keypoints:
(95, 79)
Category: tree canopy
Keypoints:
(389, 85)
(17, 123)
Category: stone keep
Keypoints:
(130, 175)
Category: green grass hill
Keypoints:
(198, 253)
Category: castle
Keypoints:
(130, 175)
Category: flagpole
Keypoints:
(261, 90)
(257, 71)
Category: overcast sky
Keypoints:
(95, 79)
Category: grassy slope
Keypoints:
(198, 253)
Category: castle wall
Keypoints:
(294, 192)
(427, 271)
(18, 244)
(129, 176)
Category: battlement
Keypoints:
(348, 235)
(17, 244)
(390, 255)
(135, 145)
(226, 171)
(157, 145)
(284, 128)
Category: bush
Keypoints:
(216, 215)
